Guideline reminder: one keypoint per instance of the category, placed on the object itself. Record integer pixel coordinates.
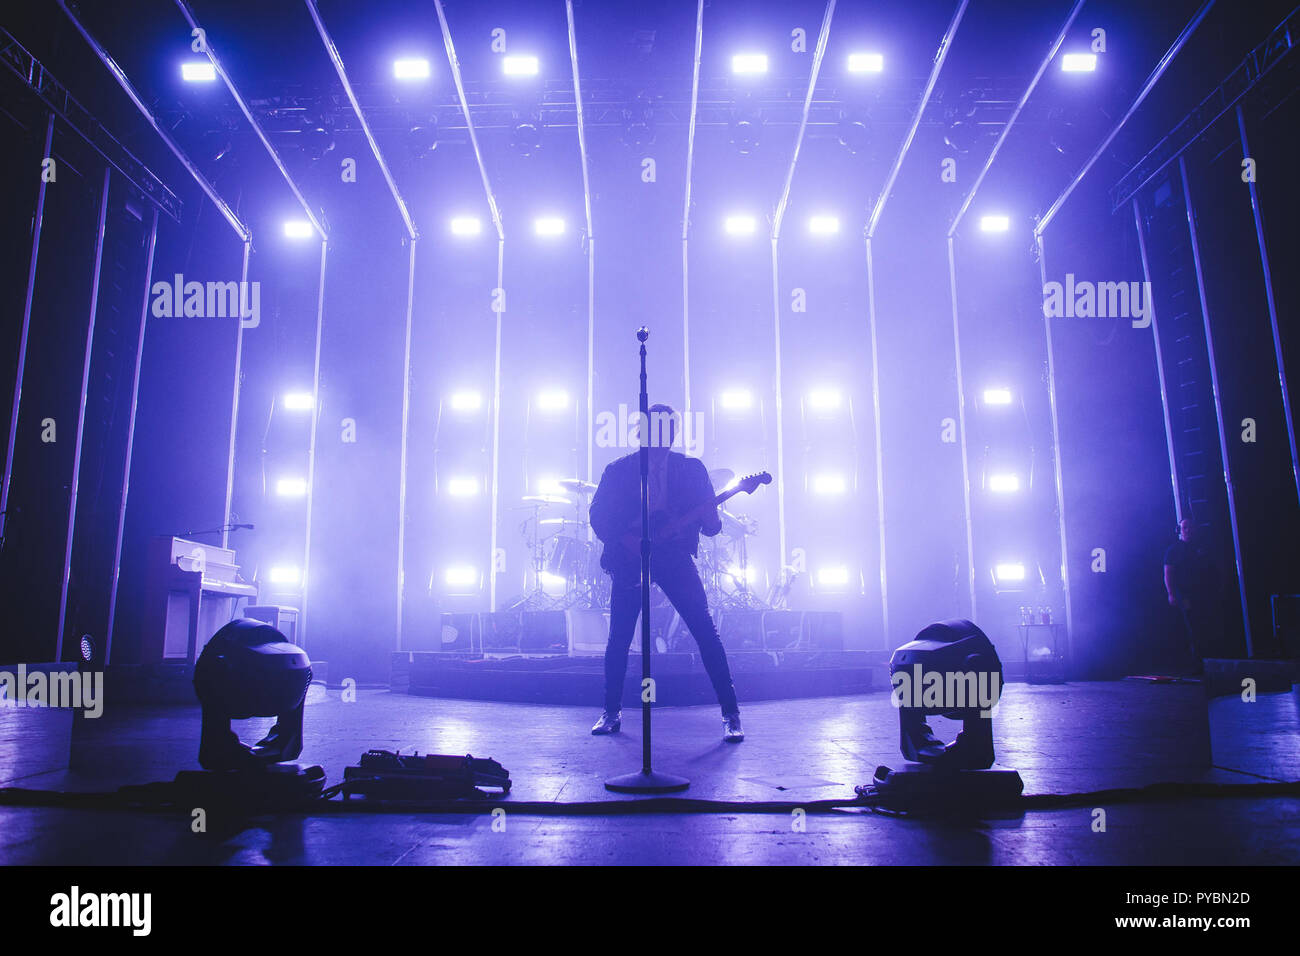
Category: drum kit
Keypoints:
(566, 554)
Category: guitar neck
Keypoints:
(719, 499)
(710, 505)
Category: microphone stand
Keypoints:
(647, 779)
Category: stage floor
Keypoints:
(1061, 738)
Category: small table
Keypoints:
(1055, 675)
(283, 619)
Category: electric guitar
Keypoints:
(665, 529)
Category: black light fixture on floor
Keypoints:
(950, 669)
(249, 669)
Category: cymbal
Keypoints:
(548, 499)
(566, 522)
(721, 477)
(577, 485)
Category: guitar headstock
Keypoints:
(749, 484)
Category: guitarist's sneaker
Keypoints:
(608, 724)
(731, 732)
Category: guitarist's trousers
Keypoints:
(677, 577)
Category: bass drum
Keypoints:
(568, 558)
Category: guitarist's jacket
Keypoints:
(616, 505)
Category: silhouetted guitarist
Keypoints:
(682, 507)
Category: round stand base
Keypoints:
(643, 782)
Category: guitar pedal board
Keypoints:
(388, 775)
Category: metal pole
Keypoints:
(1147, 87)
(234, 402)
(310, 213)
(120, 75)
(1160, 365)
(591, 247)
(643, 456)
(577, 100)
(1218, 406)
(944, 46)
(311, 450)
(647, 780)
(819, 54)
(37, 221)
(1015, 114)
(686, 210)
(1056, 452)
(406, 418)
(1272, 305)
(961, 419)
(780, 431)
(1239, 82)
(591, 363)
(880, 447)
(81, 414)
(686, 329)
(337, 60)
(130, 440)
(496, 432)
(454, 63)
(59, 101)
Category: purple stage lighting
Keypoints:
(466, 226)
(291, 487)
(747, 574)
(825, 399)
(833, 578)
(466, 401)
(994, 223)
(298, 229)
(1079, 62)
(829, 484)
(461, 579)
(749, 63)
(462, 487)
(198, 71)
(549, 485)
(1004, 483)
(519, 66)
(1009, 573)
(552, 583)
(553, 400)
(297, 401)
(824, 225)
(548, 226)
(866, 62)
(736, 399)
(284, 574)
(411, 68)
(740, 225)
